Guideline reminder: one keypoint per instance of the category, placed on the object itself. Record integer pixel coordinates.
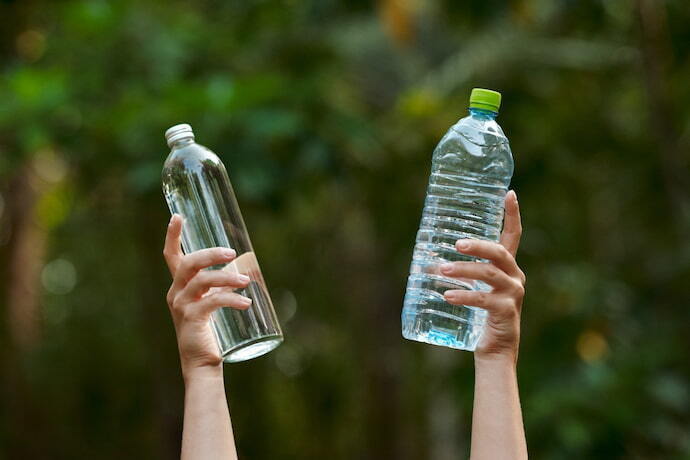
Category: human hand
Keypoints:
(501, 337)
(194, 294)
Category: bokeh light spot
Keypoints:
(49, 165)
(420, 103)
(59, 276)
(288, 361)
(591, 346)
(288, 304)
(31, 45)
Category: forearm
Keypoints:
(497, 428)
(207, 429)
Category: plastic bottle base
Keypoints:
(441, 329)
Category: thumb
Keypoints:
(512, 226)
(172, 251)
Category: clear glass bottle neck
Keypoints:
(179, 143)
(482, 114)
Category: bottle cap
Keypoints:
(485, 99)
(178, 132)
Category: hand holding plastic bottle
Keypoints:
(497, 428)
(501, 335)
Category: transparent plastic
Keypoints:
(196, 186)
(470, 174)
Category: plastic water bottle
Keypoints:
(196, 186)
(470, 174)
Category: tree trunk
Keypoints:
(656, 55)
(26, 253)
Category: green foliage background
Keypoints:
(326, 113)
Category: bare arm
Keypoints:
(207, 429)
(497, 428)
(193, 296)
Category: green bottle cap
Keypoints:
(485, 99)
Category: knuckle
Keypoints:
(214, 255)
(177, 305)
(482, 299)
(192, 285)
(492, 271)
(503, 253)
(220, 278)
(215, 299)
(451, 296)
(185, 263)
(519, 290)
(203, 278)
(170, 297)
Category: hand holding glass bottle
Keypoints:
(195, 294)
(197, 187)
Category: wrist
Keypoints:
(192, 374)
(495, 361)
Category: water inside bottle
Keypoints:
(245, 334)
(470, 174)
(197, 187)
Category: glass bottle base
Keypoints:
(252, 348)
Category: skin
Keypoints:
(207, 431)
(497, 429)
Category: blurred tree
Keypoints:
(326, 113)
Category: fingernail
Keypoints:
(243, 278)
(463, 244)
(229, 253)
(246, 301)
(446, 268)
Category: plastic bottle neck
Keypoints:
(179, 143)
(482, 114)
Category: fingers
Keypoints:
(204, 307)
(494, 252)
(512, 225)
(489, 273)
(205, 280)
(486, 300)
(190, 264)
(172, 250)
